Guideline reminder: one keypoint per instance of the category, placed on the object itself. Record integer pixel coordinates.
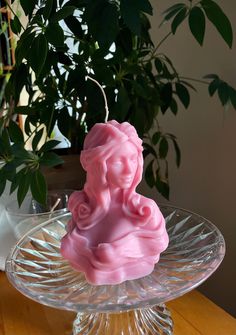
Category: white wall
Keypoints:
(206, 180)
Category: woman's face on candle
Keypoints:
(122, 166)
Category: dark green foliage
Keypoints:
(111, 42)
(179, 18)
(16, 25)
(226, 93)
(217, 17)
(197, 24)
(183, 94)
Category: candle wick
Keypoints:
(104, 96)
(55, 205)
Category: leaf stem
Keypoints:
(195, 80)
(50, 123)
(160, 43)
(31, 134)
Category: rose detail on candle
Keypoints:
(82, 211)
(80, 208)
(144, 211)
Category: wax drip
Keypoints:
(104, 96)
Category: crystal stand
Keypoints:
(36, 268)
(153, 320)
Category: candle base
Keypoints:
(146, 321)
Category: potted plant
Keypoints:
(62, 44)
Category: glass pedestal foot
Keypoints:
(147, 321)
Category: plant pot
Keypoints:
(69, 175)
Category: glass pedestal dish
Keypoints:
(36, 268)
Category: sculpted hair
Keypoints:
(100, 144)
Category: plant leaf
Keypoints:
(183, 94)
(15, 132)
(163, 147)
(139, 5)
(65, 122)
(219, 20)
(75, 26)
(47, 9)
(20, 152)
(3, 181)
(23, 185)
(63, 13)
(172, 11)
(188, 84)
(223, 92)
(102, 18)
(5, 141)
(15, 25)
(130, 11)
(122, 105)
(2, 186)
(166, 96)
(23, 44)
(145, 6)
(149, 148)
(232, 94)
(131, 17)
(14, 183)
(54, 34)
(158, 65)
(156, 137)
(16, 82)
(38, 187)
(174, 106)
(179, 18)
(197, 24)
(49, 145)
(179, 5)
(37, 138)
(38, 53)
(177, 151)
(23, 110)
(51, 159)
(28, 6)
(149, 176)
(211, 76)
(213, 86)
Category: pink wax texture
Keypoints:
(115, 234)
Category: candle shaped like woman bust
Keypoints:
(115, 234)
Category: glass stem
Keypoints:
(147, 321)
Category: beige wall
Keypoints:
(206, 180)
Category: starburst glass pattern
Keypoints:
(146, 321)
(36, 268)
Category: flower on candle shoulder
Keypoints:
(79, 205)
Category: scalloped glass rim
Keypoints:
(195, 251)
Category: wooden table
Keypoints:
(193, 314)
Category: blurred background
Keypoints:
(205, 183)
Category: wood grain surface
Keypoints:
(193, 314)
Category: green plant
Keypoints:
(109, 40)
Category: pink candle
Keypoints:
(115, 234)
